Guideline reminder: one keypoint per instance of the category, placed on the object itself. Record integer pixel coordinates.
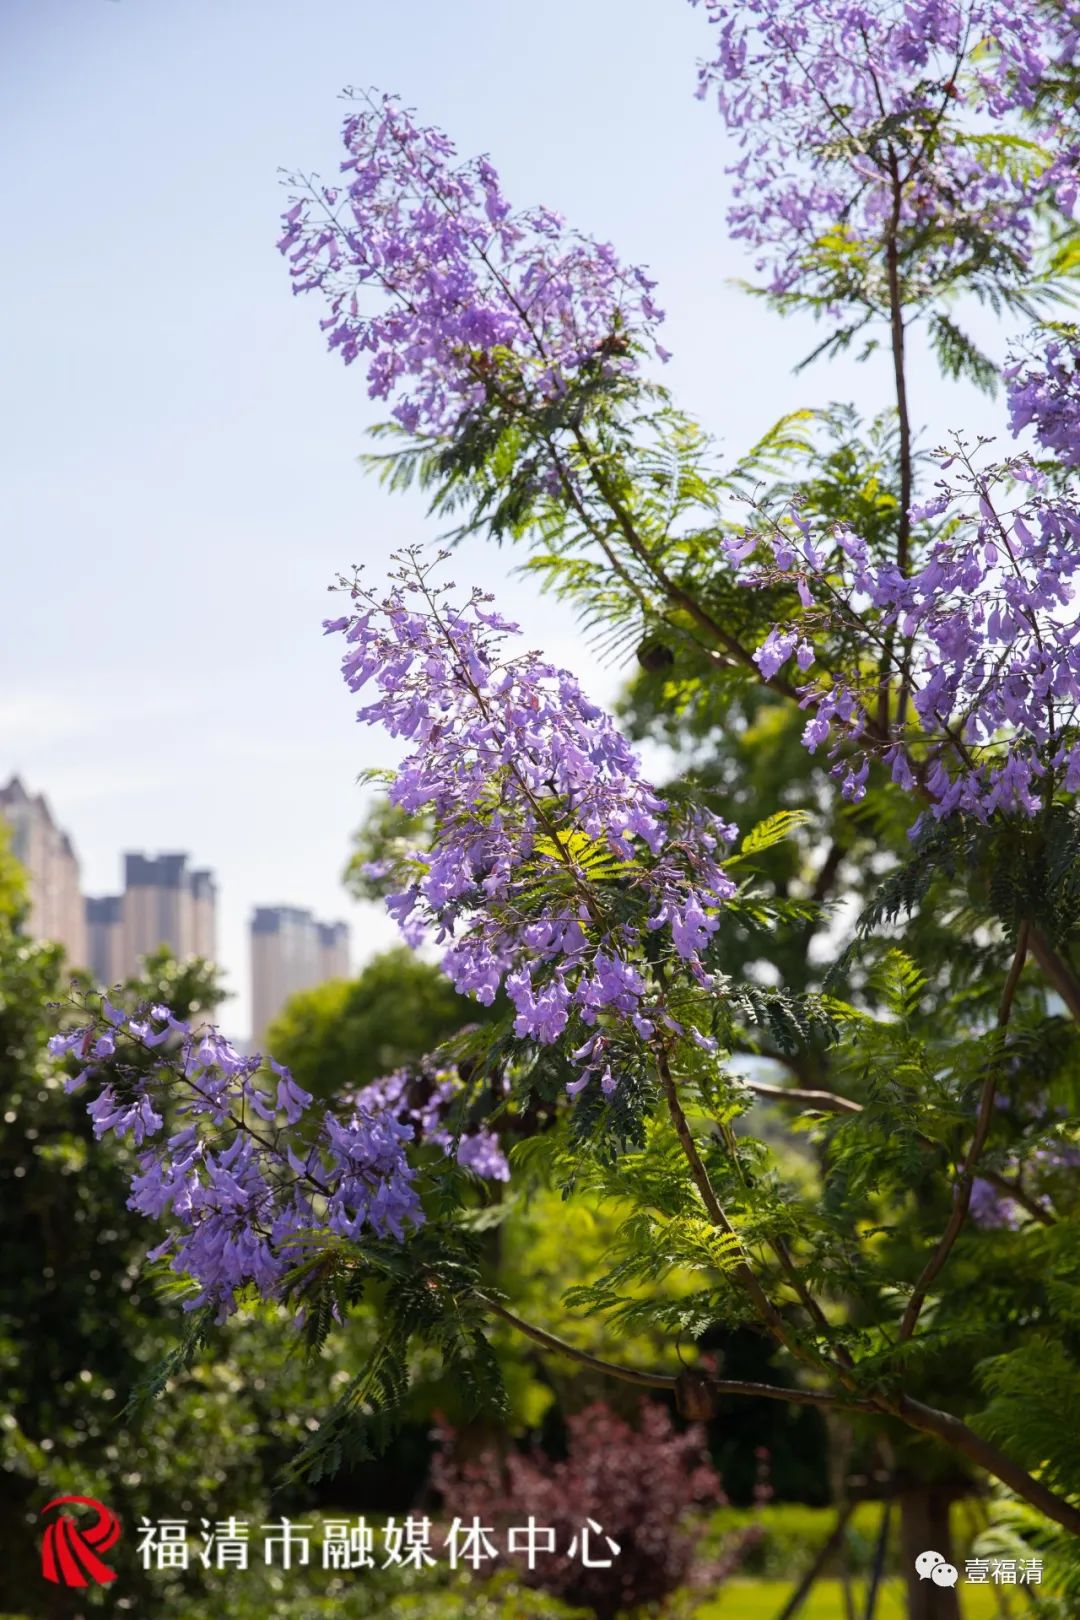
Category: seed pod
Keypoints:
(654, 656)
(696, 1397)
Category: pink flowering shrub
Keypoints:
(641, 1484)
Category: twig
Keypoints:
(879, 1560)
(1013, 1190)
(926, 1419)
(829, 1102)
(743, 1272)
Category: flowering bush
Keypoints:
(638, 1482)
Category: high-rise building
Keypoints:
(333, 950)
(163, 903)
(204, 908)
(105, 938)
(46, 853)
(158, 905)
(291, 951)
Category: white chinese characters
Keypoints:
(355, 1544)
(931, 1566)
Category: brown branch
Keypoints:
(651, 1380)
(832, 1103)
(1013, 1189)
(983, 1119)
(952, 1431)
(903, 540)
(825, 1552)
(628, 1375)
(827, 872)
(955, 1433)
(742, 1271)
(1057, 971)
(896, 332)
(828, 1101)
(672, 589)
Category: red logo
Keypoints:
(69, 1552)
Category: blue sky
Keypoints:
(179, 452)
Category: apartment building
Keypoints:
(291, 951)
(164, 902)
(48, 857)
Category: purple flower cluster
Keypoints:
(1044, 393)
(542, 820)
(860, 121)
(983, 629)
(429, 272)
(395, 1094)
(991, 1206)
(243, 1175)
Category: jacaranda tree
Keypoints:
(911, 616)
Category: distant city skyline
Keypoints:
(164, 901)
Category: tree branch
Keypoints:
(983, 1118)
(764, 1306)
(1057, 971)
(831, 1102)
(952, 1431)
(955, 1433)
(828, 1101)
(1013, 1190)
(896, 333)
(671, 588)
(668, 1381)
(825, 1552)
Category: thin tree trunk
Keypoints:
(924, 1527)
(802, 1591)
(881, 1552)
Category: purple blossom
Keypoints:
(449, 292)
(423, 1102)
(775, 651)
(541, 815)
(246, 1173)
(858, 123)
(1043, 393)
(990, 1208)
(988, 616)
(481, 1153)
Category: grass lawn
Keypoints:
(763, 1600)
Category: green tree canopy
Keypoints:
(349, 1032)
